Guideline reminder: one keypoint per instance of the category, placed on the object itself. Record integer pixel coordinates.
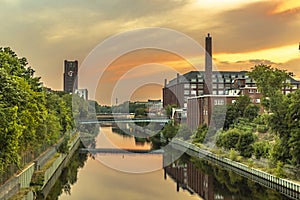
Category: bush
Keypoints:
(244, 145)
(64, 146)
(233, 155)
(262, 128)
(200, 134)
(261, 149)
(229, 139)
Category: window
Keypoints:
(193, 86)
(215, 86)
(233, 101)
(186, 92)
(193, 92)
(186, 86)
(257, 100)
(193, 80)
(221, 86)
(219, 102)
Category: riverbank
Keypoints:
(284, 186)
(38, 177)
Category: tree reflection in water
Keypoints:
(68, 176)
(211, 181)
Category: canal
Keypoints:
(140, 176)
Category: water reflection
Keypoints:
(88, 178)
(69, 175)
(212, 182)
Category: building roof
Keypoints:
(187, 77)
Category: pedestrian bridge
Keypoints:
(126, 120)
(120, 151)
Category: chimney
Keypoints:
(165, 82)
(208, 65)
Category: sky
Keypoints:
(244, 33)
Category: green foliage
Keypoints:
(228, 139)
(233, 155)
(269, 81)
(140, 112)
(279, 170)
(251, 112)
(31, 116)
(64, 146)
(200, 134)
(241, 104)
(232, 115)
(169, 131)
(261, 149)
(244, 145)
(242, 108)
(128, 107)
(262, 128)
(168, 110)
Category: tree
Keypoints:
(232, 115)
(140, 112)
(169, 131)
(31, 116)
(293, 120)
(269, 81)
(251, 112)
(261, 149)
(168, 110)
(241, 104)
(244, 145)
(228, 139)
(200, 134)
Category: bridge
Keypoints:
(125, 120)
(120, 151)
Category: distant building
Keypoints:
(83, 93)
(178, 90)
(70, 76)
(154, 107)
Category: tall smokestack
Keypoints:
(208, 65)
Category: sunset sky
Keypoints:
(244, 32)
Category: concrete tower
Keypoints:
(70, 76)
(208, 65)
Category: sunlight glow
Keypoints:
(280, 55)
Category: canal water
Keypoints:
(141, 177)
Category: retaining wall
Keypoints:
(284, 186)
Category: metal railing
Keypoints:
(284, 186)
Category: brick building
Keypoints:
(197, 92)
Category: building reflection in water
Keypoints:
(212, 182)
(189, 178)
